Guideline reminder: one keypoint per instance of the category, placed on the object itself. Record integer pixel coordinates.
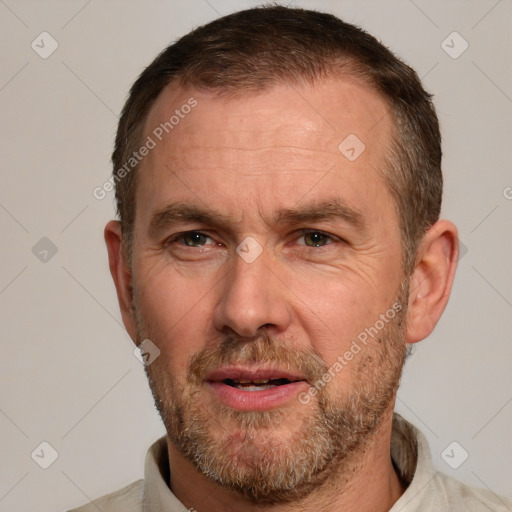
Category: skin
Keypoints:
(248, 158)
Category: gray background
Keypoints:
(68, 373)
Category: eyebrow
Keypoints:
(334, 209)
(181, 213)
(326, 210)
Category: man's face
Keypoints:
(263, 252)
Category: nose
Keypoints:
(252, 299)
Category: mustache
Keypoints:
(263, 350)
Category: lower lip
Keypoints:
(256, 400)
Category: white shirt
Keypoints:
(428, 489)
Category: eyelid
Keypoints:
(298, 234)
(181, 235)
(305, 231)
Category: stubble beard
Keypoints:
(281, 455)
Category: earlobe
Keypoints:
(121, 274)
(432, 279)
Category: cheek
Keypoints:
(176, 314)
(336, 312)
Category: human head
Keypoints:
(252, 50)
(257, 161)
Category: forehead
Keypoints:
(270, 147)
(318, 112)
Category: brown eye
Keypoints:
(316, 239)
(194, 239)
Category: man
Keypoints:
(278, 180)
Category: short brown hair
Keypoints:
(253, 49)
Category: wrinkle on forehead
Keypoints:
(317, 107)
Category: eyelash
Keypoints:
(180, 237)
(303, 232)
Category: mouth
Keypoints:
(254, 388)
(256, 384)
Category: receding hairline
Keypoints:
(350, 71)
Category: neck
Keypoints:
(368, 484)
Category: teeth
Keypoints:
(245, 381)
(254, 388)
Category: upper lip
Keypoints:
(251, 374)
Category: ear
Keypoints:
(432, 279)
(122, 275)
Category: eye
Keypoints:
(191, 239)
(316, 239)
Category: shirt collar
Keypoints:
(157, 495)
(411, 454)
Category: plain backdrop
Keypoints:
(68, 373)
